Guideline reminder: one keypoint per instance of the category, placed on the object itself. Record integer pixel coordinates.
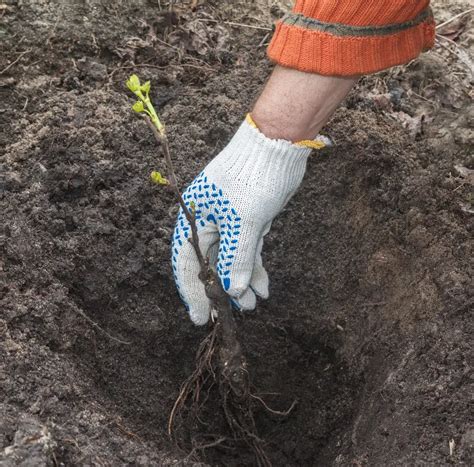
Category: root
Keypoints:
(220, 362)
(203, 446)
(191, 388)
(275, 412)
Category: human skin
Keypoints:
(295, 105)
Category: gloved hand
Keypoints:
(236, 197)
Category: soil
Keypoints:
(369, 325)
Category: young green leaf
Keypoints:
(138, 107)
(146, 87)
(157, 178)
(133, 83)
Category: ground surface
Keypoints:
(369, 324)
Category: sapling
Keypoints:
(220, 353)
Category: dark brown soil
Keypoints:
(369, 323)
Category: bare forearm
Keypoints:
(295, 105)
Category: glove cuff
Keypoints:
(269, 159)
(317, 143)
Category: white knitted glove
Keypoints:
(236, 198)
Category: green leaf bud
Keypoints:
(133, 83)
(157, 178)
(138, 107)
(146, 87)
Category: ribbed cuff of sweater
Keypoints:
(352, 37)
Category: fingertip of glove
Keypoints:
(247, 301)
(199, 317)
(262, 293)
(235, 292)
(260, 283)
(236, 287)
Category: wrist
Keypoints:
(278, 125)
(295, 106)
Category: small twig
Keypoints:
(53, 30)
(440, 36)
(450, 20)
(94, 42)
(232, 23)
(126, 431)
(423, 97)
(458, 51)
(161, 41)
(260, 44)
(15, 61)
(94, 324)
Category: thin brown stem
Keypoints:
(163, 140)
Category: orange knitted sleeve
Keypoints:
(352, 37)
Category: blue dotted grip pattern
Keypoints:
(211, 207)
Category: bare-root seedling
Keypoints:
(219, 360)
